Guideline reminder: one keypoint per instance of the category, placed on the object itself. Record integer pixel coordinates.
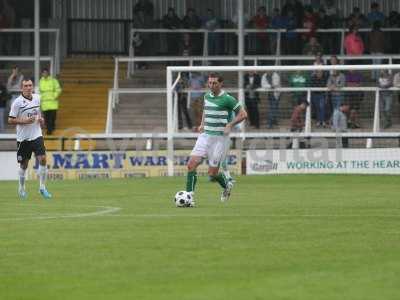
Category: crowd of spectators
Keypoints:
(292, 15)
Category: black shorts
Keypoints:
(25, 149)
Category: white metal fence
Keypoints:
(55, 48)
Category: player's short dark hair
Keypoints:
(216, 75)
(25, 79)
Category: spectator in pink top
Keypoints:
(353, 43)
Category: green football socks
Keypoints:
(191, 181)
(221, 179)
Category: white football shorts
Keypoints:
(213, 147)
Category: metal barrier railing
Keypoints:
(278, 32)
(56, 31)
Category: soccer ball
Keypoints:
(183, 199)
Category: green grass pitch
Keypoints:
(279, 237)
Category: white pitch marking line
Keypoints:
(105, 211)
(247, 216)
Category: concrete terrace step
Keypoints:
(85, 93)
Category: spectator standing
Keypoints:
(7, 20)
(196, 84)
(252, 82)
(333, 61)
(318, 98)
(186, 45)
(182, 105)
(211, 23)
(142, 40)
(290, 38)
(260, 21)
(272, 80)
(146, 7)
(297, 122)
(385, 82)
(277, 22)
(376, 43)
(396, 84)
(375, 15)
(14, 85)
(393, 21)
(329, 41)
(332, 11)
(3, 104)
(193, 21)
(298, 80)
(357, 19)
(354, 99)
(313, 47)
(339, 123)
(309, 23)
(336, 81)
(353, 43)
(172, 21)
(298, 10)
(50, 90)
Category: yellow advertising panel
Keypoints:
(125, 164)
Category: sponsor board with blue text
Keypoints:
(127, 164)
(320, 161)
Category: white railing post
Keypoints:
(109, 112)
(175, 110)
(116, 80)
(278, 46)
(307, 127)
(376, 127)
(131, 64)
(57, 52)
(52, 66)
(170, 125)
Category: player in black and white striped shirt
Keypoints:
(25, 114)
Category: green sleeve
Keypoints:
(233, 104)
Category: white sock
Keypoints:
(21, 173)
(42, 176)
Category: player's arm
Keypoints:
(13, 118)
(240, 116)
(21, 120)
(201, 127)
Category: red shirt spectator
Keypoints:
(260, 21)
(310, 23)
(353, 43)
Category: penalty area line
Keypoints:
(105, 210)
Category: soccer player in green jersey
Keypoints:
(213, 141)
